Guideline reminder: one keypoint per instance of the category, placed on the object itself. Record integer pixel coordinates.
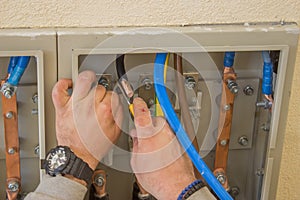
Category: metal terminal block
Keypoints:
(8, 90)
(232, 86)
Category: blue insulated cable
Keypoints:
(18, 70)
(179, 130)
(267, 79)
(12, 63)
(229, 59)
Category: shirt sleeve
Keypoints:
(203, 193)
(57, 188)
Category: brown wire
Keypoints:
(187, 120)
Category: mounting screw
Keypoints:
(151, 102)
(37, 150)
(7, 94)
(13, 186)
(104, 82)
(35, 98)
(190, 82)
(248, 90)
(243, 140)
(147, 84)
(227, 107)
(232, 86)
(34, 111)
(221, 178)
(234, 191)
(9, 115)
(99, 180)
(223, 142)
(11, 151)
(265, 127)
(260, 172)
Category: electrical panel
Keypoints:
(257, 126)
(256, 134)
(33, 99)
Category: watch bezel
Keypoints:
(59, 169)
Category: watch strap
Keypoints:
(78, 169)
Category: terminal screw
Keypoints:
(13, 186)
(235, 191)
(243, 140)
(227, 107)
(232, 86)
(99, 180)
(223, 142)
(35, 98)
(9, 115)
(11, 151)
(147, 84)
(104, 82)
(221, 178)
(190, 82)
(248, 90)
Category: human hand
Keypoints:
(158, 161)
(85, 121)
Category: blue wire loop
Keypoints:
(175, 124)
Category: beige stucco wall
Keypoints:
(93, 13)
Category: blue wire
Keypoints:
(267, 79)
(18, 70)
(229, 58)
(12, 64)
(175, 124)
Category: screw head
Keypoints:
(104, 82)
(35, 98)
(223, 142)
(99, 180)
(190, 82)
(9, 115)
(243, 140)
(221, 178)
(151, 102)
(147, 84)
(37, 150)
(227, 107)
(13, 186)
(7, 94)
(11, 151)
(248, 90)
(235, 191)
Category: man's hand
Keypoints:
(85, 120)
(157, 157)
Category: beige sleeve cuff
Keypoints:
(203, 193)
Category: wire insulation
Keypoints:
(179, 131)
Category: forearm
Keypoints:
(58, 188)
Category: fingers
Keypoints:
(142, 116)
(59, 93)
(100, 93)
(83, 84)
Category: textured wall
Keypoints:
(89, 13)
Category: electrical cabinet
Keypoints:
(257, 134)
(33, 101)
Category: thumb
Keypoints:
(60, 94)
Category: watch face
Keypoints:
(56, 160)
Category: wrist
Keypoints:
(86, 157)
(174, 190)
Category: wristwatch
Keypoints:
(61, 160)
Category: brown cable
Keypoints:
(187, 120)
